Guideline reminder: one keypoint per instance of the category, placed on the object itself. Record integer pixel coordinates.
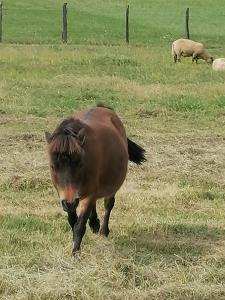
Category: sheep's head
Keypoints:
(210, 60)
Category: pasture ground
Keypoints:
(167, 237)
(168, 225)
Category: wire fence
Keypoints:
(63, 23)
(110, 23)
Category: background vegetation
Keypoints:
(168, 225)
(102, 22)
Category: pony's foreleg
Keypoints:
(108, 203)
(70, 208)
(72, 218)
(80, 226)
(94, 222)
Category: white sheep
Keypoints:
(219, 64)
(187, 48)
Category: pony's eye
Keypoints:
(52, 167)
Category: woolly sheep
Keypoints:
(219, 64)
(187, 48)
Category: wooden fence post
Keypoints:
(187, 35)
(127, 24)
(1, 4)
(64, 32)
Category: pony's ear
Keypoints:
(81, 136)
(48, 137)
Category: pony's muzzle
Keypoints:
(70, 207)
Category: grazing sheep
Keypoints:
(219, 64)
(187, 48)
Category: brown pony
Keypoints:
(88, 156)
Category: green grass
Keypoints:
(103, 22)
(167, 227)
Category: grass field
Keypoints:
(167, 237)
(102, 22)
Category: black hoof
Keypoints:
(76, 253)
(104, 232)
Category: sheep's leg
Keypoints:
(178, 57)
(195, 58)
(175, 58)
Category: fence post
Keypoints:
(187, 35)
(64, 32)
(127, 24)
(1, 4)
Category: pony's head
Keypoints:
(66, 155)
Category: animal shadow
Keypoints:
(171, 240)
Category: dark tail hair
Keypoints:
(136, 152)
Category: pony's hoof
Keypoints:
(76, 253)
(104, 232)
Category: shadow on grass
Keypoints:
(187, 242)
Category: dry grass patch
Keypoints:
(167, 227)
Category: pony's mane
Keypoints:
(100, 104)
(64, 138)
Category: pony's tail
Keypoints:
(136, 152)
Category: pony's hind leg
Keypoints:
(94, 222)
(108, 203)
